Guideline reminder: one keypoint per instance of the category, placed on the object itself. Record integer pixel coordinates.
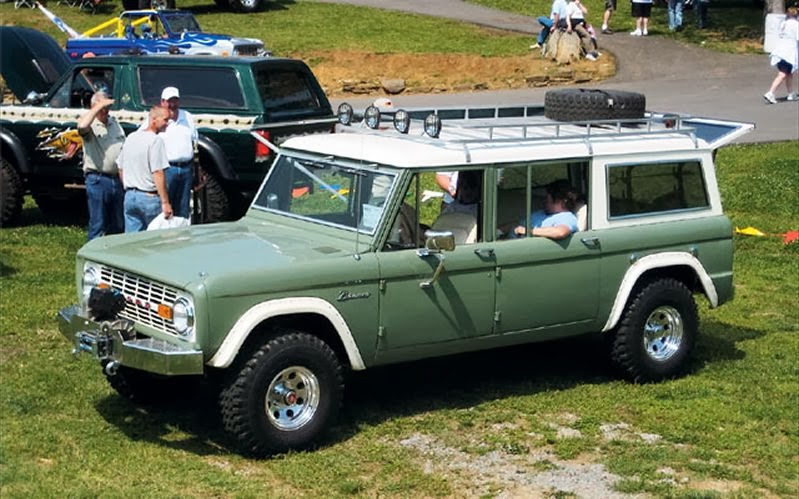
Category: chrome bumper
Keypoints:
(115, 341)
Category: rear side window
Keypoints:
(206, 88)
(286, 91)
(655, 188)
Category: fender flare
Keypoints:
(221, 165)
(658, 260)
(240, 331)
(12, 146)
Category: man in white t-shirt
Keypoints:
(180, 138)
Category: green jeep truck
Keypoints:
(227, 96)
(343, 263)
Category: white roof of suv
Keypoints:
(504, 140)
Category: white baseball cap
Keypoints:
(170, 93)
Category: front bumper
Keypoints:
(115, 341)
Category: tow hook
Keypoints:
(111, 368)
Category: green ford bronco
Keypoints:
(345, 252)
(40, 147)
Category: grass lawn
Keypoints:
(472, 425)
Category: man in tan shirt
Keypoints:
(102, 142)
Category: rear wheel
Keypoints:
(246, 6)
(11, 194)
(657, 333)
(211, 202)
(577, 104)
(285, 396)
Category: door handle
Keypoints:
(591, 242)
(484, 252)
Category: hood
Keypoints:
(180, 256)
(30, 61)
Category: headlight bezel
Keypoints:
(184, 317)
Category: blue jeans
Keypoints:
(701, 13)
(140, 209)
(104, 196)
(179, 183)
(546, 24)
(675, 14)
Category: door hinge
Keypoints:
(497, 316)
(381, 285)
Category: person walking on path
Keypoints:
(556, 19)
(102, 142)
(641, 11)
(675, 8)
(141, 166)
(180, 138)
(785, 56)
(610, 8)
(575, 21)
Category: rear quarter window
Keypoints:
(285, 91)
(206, 88)
(641, 189)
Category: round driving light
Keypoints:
(183, 316)
(432, 125)
(372, 117)
(345, 114)
(402, 121)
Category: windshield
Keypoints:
(179, 22)
(326, 192)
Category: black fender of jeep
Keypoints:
(12, 150)
(218, 164)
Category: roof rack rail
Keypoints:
(523, 123)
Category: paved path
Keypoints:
(674, 76)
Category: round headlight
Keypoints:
(345, 114)
(91, 278)
(372, 117)
(402, 121)
(432, 125)
(183, 316)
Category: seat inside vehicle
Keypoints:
(462, 225)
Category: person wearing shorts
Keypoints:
(610, 8)
(785, 56)
(641, 10)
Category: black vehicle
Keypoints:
(227, 96)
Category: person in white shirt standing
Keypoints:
(641, 11)
(180, 138)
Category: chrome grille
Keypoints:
(142, 298)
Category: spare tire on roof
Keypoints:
(578, 104)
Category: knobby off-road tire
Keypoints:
(579, 104)
(285, 396)
(11, 194)
(657, 333)
(246, 6)
(213, 202)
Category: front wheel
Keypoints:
(11, 194)
(285, 396)
(657, 333)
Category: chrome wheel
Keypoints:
(292, 398)
(663, 333)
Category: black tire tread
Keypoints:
(626, 351)
(234, 399)
(215, 201)
(11, 194)
(579, 104)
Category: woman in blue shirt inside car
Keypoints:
(556, 220)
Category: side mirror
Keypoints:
(435, 243)
(439, 240)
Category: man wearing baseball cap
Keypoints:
(180, 138)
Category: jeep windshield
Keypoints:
(328, 192)
(178, 22)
